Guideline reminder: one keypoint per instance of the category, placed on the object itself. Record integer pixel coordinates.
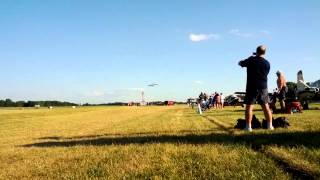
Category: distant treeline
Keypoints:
(10, 103)
(107, 104)
(153, 103)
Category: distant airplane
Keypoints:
(305, 92)
(302, 85)
(153, 85)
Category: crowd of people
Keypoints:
(215, 100)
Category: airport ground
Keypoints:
(156, 142)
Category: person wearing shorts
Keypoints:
(257, 86)
(282, 89)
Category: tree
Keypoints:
(20, 103)
(2, 103)
(292, 86)
(9, 103)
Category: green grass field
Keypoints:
(154, 143)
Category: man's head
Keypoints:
(261, 50)
(279, 73)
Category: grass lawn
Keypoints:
(154, 143)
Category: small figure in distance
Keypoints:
(282, 89)
(217, 100)
(257, 86)
(213, 102)
(222, 100)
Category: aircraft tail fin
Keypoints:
(301, 84)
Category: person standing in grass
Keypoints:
(257, 85)
(222, 100)
(217, 100)
(282, 89)
(213, 102)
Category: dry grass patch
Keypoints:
(150, 143)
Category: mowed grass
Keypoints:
(153, 143)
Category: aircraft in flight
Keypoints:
(153, 85)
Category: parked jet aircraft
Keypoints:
(304, 92)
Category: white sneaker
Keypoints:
(270, 127)
(248, 129)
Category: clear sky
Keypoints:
(109, 50)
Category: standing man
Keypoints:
(282, 89)
(257, 85)
(217, 100)
(213, 100)
(222, 100)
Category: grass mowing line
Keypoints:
(219, 124)
(294, 169)
(297, 171)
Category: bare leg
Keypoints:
(199, 109)
(249, 113)
(268, 115)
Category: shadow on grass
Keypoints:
(256, 141)
(131, 134)
(256, 109)
(312, 109)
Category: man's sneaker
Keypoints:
(270, 127)
(248, 129)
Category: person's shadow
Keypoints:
(255, 140)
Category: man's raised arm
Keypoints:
(245, 62)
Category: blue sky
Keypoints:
(105, 51)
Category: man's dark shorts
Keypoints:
(252, 96)
(282, 94)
